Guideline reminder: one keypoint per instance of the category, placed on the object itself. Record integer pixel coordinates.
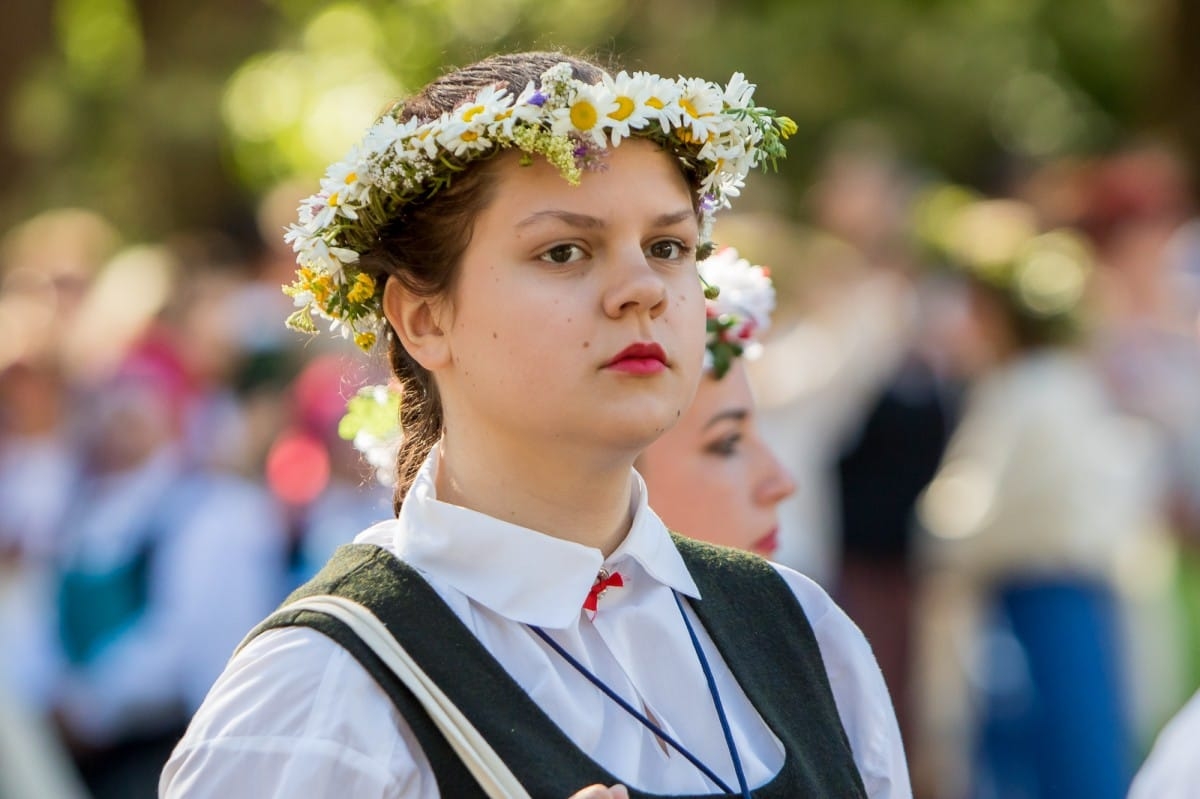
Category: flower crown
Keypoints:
(739, 313)
(716, 131)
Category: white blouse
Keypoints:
(1172, 770)
(295, 715)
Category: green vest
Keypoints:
(748, 610)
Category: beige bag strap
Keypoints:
(480, 759)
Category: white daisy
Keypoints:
(630, 94)
(346, 179)
(738, 92)
(423, 141)
(584, 113)
(318, 254)
(480, 113)
(701, 104)
(384, 134)
(661, 101)
(465, 129)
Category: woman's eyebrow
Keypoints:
(736, 414)
(590, 222)
(666, 220)
(572, 219)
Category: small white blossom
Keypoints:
(738, 92)
(747, 295)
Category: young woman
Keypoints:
(712, 477)
(528, 228)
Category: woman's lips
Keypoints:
(767, 544)
(639, 359)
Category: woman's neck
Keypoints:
(574, 496)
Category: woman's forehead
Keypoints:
(638, 177)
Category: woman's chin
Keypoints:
(637, 429)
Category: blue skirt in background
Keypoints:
(1053, 710)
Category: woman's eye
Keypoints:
(667, 250)
(562, 254)
(725, 447)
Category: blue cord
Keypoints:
(628, 708)
(712, 688)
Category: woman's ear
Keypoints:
(417, 322)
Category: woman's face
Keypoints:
(576, 318)
(712, 476)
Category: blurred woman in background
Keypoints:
(712, 476)
(1041, 493)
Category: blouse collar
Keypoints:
(519, 573)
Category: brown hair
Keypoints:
(422, 245)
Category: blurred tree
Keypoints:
(1176, 107)
(175, 113)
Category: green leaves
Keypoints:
(374, 410)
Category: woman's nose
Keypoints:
(635, 287)
(777, 483)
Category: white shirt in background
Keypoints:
(1172, 771)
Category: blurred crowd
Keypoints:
(169, 470)
(990, 399)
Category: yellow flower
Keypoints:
(321, 287)
(365, 340)
(787, 127)
(362, 289)
(625, 107)
(583, 115)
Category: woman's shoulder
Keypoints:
(722, 564)
(862, 698)
(296, 705)
(818, 605)
(844, 648)
(290, 682)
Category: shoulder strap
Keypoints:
(472, 749)
(350, 573)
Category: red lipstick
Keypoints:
(642, 358)
(768, 544)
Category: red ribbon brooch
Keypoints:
(604, 581)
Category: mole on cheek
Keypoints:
(495, 334)
(587, 344)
